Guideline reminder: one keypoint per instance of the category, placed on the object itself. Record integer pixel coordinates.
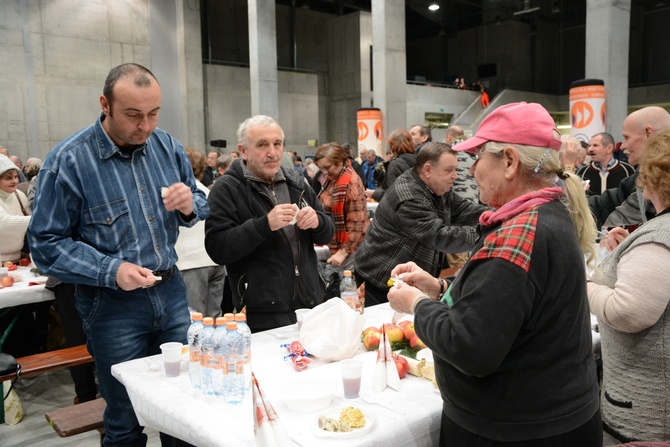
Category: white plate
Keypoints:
(334, 413)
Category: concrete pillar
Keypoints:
(607, 36)
(389, 63)
(263, 58)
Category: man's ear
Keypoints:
(104, 104)
(242, 150)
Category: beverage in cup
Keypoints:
(171, 358)
(351, 377)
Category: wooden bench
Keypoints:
(32, 365)
(76, 419)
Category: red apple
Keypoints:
(393, 333)
(416, 342)
(12, 267)
(7, 281)
(24, 262)
(367, 330)
(371, 340)
(402, 365)
(407, 329)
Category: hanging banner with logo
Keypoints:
(370, 134)
(587, 108)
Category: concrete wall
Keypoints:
(56, 54)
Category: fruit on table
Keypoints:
(415, 342)
(371, 338)
(7, 281)
(401, 364)
(24, 262)
(407, 327)
(393, 332)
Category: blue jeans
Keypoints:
(123, 326)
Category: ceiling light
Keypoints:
(434, 7)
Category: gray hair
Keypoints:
(254, 121)
(542, 165)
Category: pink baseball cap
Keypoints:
(517, 123)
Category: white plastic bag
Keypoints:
(332, 331)
(13, 409)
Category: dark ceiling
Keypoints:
(456, 15)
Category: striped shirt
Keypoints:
(97, 207)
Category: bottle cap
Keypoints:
(231, 325)
(240, 317)
(208, 321)
(229, 316)
(195, 316)
(347, 273)
(220, 321)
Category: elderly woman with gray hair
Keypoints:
(511, 336)
(628, 293)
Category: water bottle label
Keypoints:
(205, 360)
(194, 356)
(216, 363)
(239, 367)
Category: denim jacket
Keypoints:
(97, 207)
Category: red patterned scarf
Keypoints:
(337, 205)
(520, 204)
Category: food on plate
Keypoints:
(351, 418)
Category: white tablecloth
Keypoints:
(171, 406)
(23, 293)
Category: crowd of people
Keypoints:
(134, 230)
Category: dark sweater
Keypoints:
(512, 340)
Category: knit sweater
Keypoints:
(13, 225)
(629, 295)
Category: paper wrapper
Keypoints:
(386, 373)
(268, 429)
(298, 355)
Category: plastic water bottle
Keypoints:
(233, 364)
(193, 335)
(207, 355)
(243, 327)
(348, 290)
(217, 361)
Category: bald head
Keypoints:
(639, 126)
(454, 133)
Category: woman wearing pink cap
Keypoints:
(511, 335)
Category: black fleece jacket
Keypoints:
(263, 273)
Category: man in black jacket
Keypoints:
(263, 225)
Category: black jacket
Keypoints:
(263, 273)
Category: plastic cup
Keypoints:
(300, 315)
(171, 358)
(351, 377)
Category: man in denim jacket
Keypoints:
(110, 200)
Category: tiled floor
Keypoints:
(55, 390)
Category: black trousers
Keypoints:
(588, 435)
